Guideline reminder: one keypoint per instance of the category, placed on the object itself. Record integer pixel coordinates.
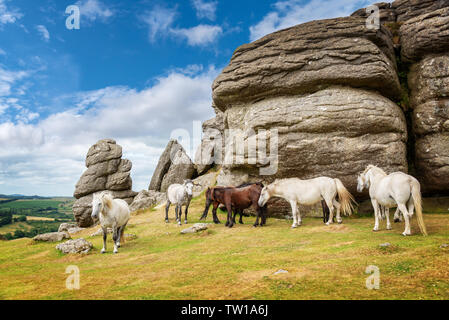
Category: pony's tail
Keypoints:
(346, 199)
(417, 201)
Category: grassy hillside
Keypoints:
(220, 263)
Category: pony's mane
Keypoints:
(373, 167)
(251, 184)
(105, 197)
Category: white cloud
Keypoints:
(43, 31)
(159, 21)
(205, 9)
(200, 35)
(288, 13)
(160, 24)
(8, 15)
(8, 79)
(48, 157)
(94, 9)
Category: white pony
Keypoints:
(179, 194)
(309, 192)
(112, 213)
(396, 189)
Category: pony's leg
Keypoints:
(115, 238)
(214, 213)
(376, 214)
(241, 217)
(179, 214)
(387, 215)
(298, 216)
(295, 221)
(121, 236)
(264, 215)
(325, 211)
(397, 216)
(258, 216)
(235, 214)
(337, 206)
(105, 236)
(404, 211)
(166, 210)
(330, 205)
(229, 222)
(411, 209)
(186, 212)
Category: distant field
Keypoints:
(42, 215)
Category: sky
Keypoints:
(134, 71)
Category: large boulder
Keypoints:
(210, 151)
(307, 58)
(408, 9)
(335, 132)
(428, 81)
(106, 170)
(425, 34)
(146, 199)
(174, 166)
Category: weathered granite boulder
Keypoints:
(106, 170)
(408, 9)
(428, 82)
(181, 168)
(146, 199)
(425, 34)
(174, 166)
(51, 237)
(307, 58)
(75, 246)
(203, 182)
(335, 132)
(211, 149)
(66, 226)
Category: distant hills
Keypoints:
(22, 197)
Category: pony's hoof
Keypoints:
(103, 251)
(185, 222)
(389, 228)
(340, 222)
(166, 221)
(375, 230)
(328, 223)
(115, 252)
(294, 226)
(397, 220)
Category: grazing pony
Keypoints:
(396, 189)
(179, 194)
(236, 199)
(112, 213)
(309, 192)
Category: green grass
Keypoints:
(323, 262)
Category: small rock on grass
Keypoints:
(444, 245)
(385, 245)
(195, 228)
(280, 271)
(75, 246)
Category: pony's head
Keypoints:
(99, 202)
(362, 182)
(265, 195)
(188, 185)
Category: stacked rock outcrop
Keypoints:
(106, 170)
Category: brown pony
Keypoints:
(236, 199)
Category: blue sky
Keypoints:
(135, 71)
